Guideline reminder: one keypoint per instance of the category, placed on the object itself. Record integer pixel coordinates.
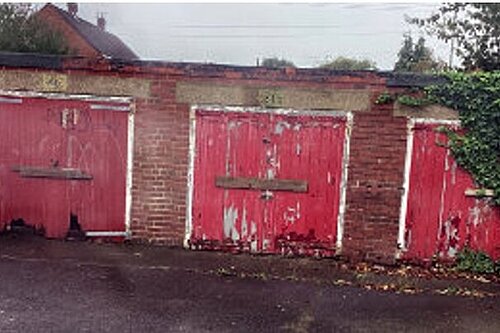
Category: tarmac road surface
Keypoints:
(48, 286)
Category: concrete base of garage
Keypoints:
(80, 286)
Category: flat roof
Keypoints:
(63, 62)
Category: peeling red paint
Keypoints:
(51, 135)
(441, 219)
(267, 146)
(448, 241)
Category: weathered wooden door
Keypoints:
(62, 160)
(440, 218)
(267, 182)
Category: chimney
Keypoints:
(101, 22)
(72, 8)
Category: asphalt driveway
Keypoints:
(55, 286)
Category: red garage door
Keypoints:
(267, 182)
(440, 218)
(63, 161)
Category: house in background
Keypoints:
(83, 37)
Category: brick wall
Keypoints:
(374, 188)
(159, 188)
(160, 166)
(378, 146)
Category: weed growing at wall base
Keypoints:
(476, 262)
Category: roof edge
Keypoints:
(413, 80)
(66, 62)
(31, 60)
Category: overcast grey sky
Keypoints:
(307, 34)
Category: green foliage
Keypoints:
(384, 98)
(477, 98)
(276, 63)
(474, 26)
(22, 31)
(412, 101)
(476, 262)
(404, 99)
(416, 57)
(344, 63)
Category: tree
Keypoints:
(475, 27)
(344, 63)
(22, 31)
(276, 63)
(416, 57)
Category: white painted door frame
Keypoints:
(289, 112)
(17, 98)
(402, 246)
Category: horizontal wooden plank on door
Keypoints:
(53, 173)
(259, 184)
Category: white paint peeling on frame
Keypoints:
(343, 181)
(406, 188)
(442, 196)
(110, 107)
(130, 167)
(63, 96)
(402, 246)
(432, 121)
(10, 100)
(288, 112)
(190, 175)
